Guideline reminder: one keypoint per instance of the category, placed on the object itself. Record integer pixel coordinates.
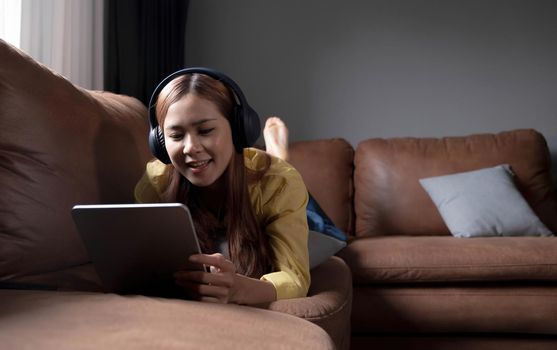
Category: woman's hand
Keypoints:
(223, 284)
(217, 286)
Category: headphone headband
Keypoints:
(193, 70)
(245, 124)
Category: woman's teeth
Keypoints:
(198, 164)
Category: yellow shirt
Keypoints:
(279, 200)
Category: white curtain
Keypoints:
(10, 21)
(67, 36)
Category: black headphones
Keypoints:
(245, 124)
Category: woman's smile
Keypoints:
(198, 167)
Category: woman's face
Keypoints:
(198, 140)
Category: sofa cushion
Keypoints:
(76, 320)
(327, 168)
(328, 303)
(403, 259)
(321, 247)
(483, 202)
(59, 145)
(390, 201)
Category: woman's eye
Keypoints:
(205, 131)
(175, 136)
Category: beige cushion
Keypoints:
(483, 203)
(401, 259)
(75, 320)
(61, 145)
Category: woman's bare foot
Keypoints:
(275, 134)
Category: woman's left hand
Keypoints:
(218, 286)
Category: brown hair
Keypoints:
(248, 245)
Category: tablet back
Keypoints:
(136, 248)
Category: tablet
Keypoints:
(136, 248)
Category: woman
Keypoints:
(249, 207)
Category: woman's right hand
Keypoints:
(217, 286)
(223, 284)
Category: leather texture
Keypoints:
(328, 304)
(390, 201)
(329, 301)
(327, 169)
(76, 320)
(438, 259)
(60, 145)
(410, 276)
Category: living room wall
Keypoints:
(385, 68)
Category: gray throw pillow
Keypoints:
(321, 247)
(483, 202)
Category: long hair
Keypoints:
(248, 245)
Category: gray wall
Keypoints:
(384, 68)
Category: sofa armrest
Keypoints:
(329, 301)
(82, 320)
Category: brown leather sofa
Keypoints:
(415, 285)
(61, 145)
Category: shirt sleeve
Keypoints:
(287, 228)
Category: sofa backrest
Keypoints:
(60, 145)
(390, 201)
(327, 169)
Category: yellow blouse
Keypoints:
(279, 200)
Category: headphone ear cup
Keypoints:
(251, 126)
(157, 146)
(237, 127)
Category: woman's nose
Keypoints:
(191, 145)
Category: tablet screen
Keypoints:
(136, 248)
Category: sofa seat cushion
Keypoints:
(418, 259)
(77, 320)
(327, 305)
